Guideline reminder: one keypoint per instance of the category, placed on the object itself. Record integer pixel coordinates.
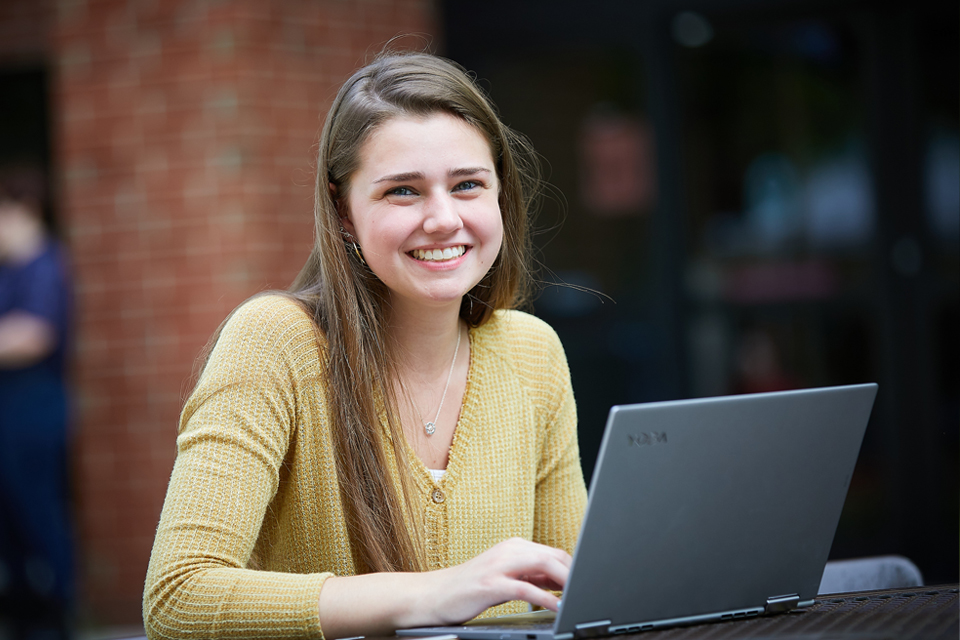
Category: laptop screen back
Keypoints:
(714, 505)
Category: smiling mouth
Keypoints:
(438, 255)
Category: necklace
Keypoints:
(431, 427)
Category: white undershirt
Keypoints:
(437, 474)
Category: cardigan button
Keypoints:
(438, 496)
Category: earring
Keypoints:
(349, 239)
(356, 250)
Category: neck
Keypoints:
(425, 338)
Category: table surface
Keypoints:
(929, 613)
(921, 613)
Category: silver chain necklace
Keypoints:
(431, 427)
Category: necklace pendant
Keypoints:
(431, 427)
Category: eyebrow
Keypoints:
(417, 175)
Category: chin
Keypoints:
(440, 299)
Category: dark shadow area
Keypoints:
(768, 192)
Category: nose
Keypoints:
(441, 215)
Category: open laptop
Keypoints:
(703, 510)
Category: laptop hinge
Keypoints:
(776, 604)
(592, 629)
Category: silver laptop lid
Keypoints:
(713, 505)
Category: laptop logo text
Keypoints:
(648, 439)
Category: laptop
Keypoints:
(703, 510)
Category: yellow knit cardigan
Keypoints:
(255, 475)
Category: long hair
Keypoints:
(348, 302)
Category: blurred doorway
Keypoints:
(25, 122)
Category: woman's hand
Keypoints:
(515, 569)
(380, 603)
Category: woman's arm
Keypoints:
(561, 495)
(25, 339)
(380, 603)
(235, 434)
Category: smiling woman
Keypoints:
(388, 444)
(423, 207)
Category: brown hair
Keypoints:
(348, 302)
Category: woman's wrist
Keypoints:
(380, 603)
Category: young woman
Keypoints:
(386, 445)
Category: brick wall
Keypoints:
(183, 140)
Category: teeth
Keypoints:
(432, 255)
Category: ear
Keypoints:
(344, 219)
(334, 194)
(347, 225)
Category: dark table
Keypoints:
(922, 613)
(928, 613)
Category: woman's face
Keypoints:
(424, 208)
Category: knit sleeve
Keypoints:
(234, 434)
(561, 496)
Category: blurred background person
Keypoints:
(36, 564)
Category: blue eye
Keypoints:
(400, 191)
(467, 184)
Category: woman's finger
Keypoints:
(534, 595)
(543, 582)
(544, 566)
